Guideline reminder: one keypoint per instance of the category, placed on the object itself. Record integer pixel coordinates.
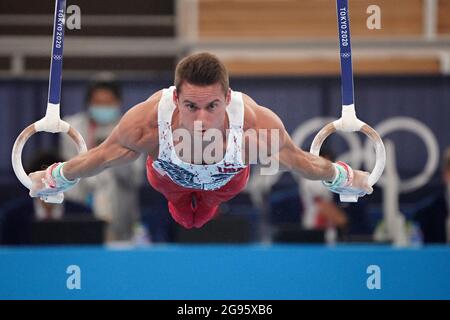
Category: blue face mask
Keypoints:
(104, 114)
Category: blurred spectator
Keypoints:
(113, 194)
(320, 209)
(18, 213)
(323, 210)
(434, 218)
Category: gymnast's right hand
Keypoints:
(50, 181)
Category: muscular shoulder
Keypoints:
(259, 117)
(267, 125)
(138, 128)
(249, 112)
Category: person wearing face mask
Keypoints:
(434, 217)
(103, 101)
(112, 195)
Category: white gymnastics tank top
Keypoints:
(199, 176)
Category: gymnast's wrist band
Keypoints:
(343, 177)
(58, 176)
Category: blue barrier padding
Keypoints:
(225, 272)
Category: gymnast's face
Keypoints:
(206, 104)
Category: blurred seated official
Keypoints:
(434, 217)
(18, 214)
(113, 194)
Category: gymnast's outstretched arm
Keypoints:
(108, 154)
(121, 147)
(336, 175)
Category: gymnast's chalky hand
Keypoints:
(359, 185)
(50, 181)
(349, 181)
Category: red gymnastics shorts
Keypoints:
(181, 206)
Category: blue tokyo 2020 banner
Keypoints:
(225, 272)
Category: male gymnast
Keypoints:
(196, 182)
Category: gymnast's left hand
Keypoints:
(361, 182)
(348, 181)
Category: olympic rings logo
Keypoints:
(57, 57)
(346, 55)
(359, 153)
